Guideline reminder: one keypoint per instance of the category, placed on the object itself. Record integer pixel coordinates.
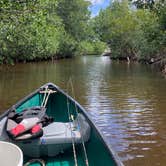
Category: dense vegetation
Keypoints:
(134, 33)
(45, 29)
(42, 29)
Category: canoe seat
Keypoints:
(57, 137)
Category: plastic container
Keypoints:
(10, 154)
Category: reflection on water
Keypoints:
(126, 101)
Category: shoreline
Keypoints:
(159, 65)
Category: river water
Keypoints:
(126, 101)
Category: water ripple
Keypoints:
(126, 101)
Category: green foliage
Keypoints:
(27, 32)
(91, 48)
(137, 34)
(67, 46)
(148, 24)
(42, 29)
(99, 47)
(75, 16)
(144, 4)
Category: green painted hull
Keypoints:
(98, 151)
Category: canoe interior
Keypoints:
(98, 154)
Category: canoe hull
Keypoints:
(99, 152)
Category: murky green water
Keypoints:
(127, 101)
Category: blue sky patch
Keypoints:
(97, 5)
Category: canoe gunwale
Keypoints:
(19, 103)
(103, 138)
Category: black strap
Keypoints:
(39, 112)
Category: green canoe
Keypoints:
(91, 151)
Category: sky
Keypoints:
(97, 5)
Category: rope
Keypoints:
(73, 145)
(83, 144)
(49, 92)
(44, 96)
(40, 161)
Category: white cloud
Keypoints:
(94, 2)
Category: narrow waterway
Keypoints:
(126, 101)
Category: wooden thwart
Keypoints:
(48, 91)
